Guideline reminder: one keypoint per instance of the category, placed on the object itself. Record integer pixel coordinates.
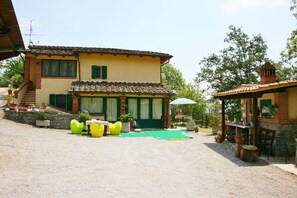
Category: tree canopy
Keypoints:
(237, 64)
(172, 77)
(13, 69)
(289, 55)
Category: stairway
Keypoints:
(29, 99)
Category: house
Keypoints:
(269, 105)
(106, 82)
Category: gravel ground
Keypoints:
(39, 162)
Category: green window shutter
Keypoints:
(52, 99)
(104, 72)
(69, 102)
(94, 71)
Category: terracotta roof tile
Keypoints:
(120, 87)
(253, 88)
(70, 51)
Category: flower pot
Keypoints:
(43, 123)
(9, 91)
(126, 127)
(12, 106)
(238, 140)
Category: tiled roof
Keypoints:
(120, 87)
(254, 88)
(70, 51)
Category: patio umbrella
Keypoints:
(181, 101)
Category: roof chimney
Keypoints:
(267, 73)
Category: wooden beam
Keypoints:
(255, 122)
(223, 121)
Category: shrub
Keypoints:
(84, 116)
(41, 115)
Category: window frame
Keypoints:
(47, 68)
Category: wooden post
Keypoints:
(223, 121)
(255, 121)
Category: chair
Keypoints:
(118, 127)
(97, 130)
(76, 127)
(282, 143)
(266, 141)
(115, 129)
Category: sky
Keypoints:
(189, 30)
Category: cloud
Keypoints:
(233, 6)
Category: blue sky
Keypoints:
(187, 29)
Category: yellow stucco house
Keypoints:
(105, 82)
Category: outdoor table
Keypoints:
(99, 122)
(239, 128)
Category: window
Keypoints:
(91, 104)
(58, 68)
(157, 108)
(144, 109)
(132, 107)
(99, 72)
(63, 101)
(111, 109)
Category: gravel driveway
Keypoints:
(38, 162)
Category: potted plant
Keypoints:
(11, 102)
(41, 119)
(237, 138)
(218, 138)
(125, 119)
(9, 89)
(84, 116)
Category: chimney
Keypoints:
(267, 73)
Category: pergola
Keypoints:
(11, 41)
(252, 91)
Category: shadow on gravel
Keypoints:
(227, 150)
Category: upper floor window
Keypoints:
(59, 68)
(99, 72)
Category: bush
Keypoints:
(214, 120)
(126, 117)
(41, 115)
(84, 116)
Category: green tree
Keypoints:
(172, 77)
(12, 71)
(237, 64)
(193, 92)
(289, 55)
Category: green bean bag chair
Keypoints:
(76, 127)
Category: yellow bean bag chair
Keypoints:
(112, 129)
(97, 130)
(76, 127)
(115, 129)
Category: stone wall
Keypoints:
(288, 131)
(58, 120)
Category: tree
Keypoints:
(172, 77)
(237, 64)
(193, 92)
(289, 55)
(12, 71)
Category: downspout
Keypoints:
(161, 70)
(79, 72)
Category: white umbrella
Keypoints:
(181, 101)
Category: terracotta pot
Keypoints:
(238, 140)
(9, 91)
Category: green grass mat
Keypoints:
(162, 134)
